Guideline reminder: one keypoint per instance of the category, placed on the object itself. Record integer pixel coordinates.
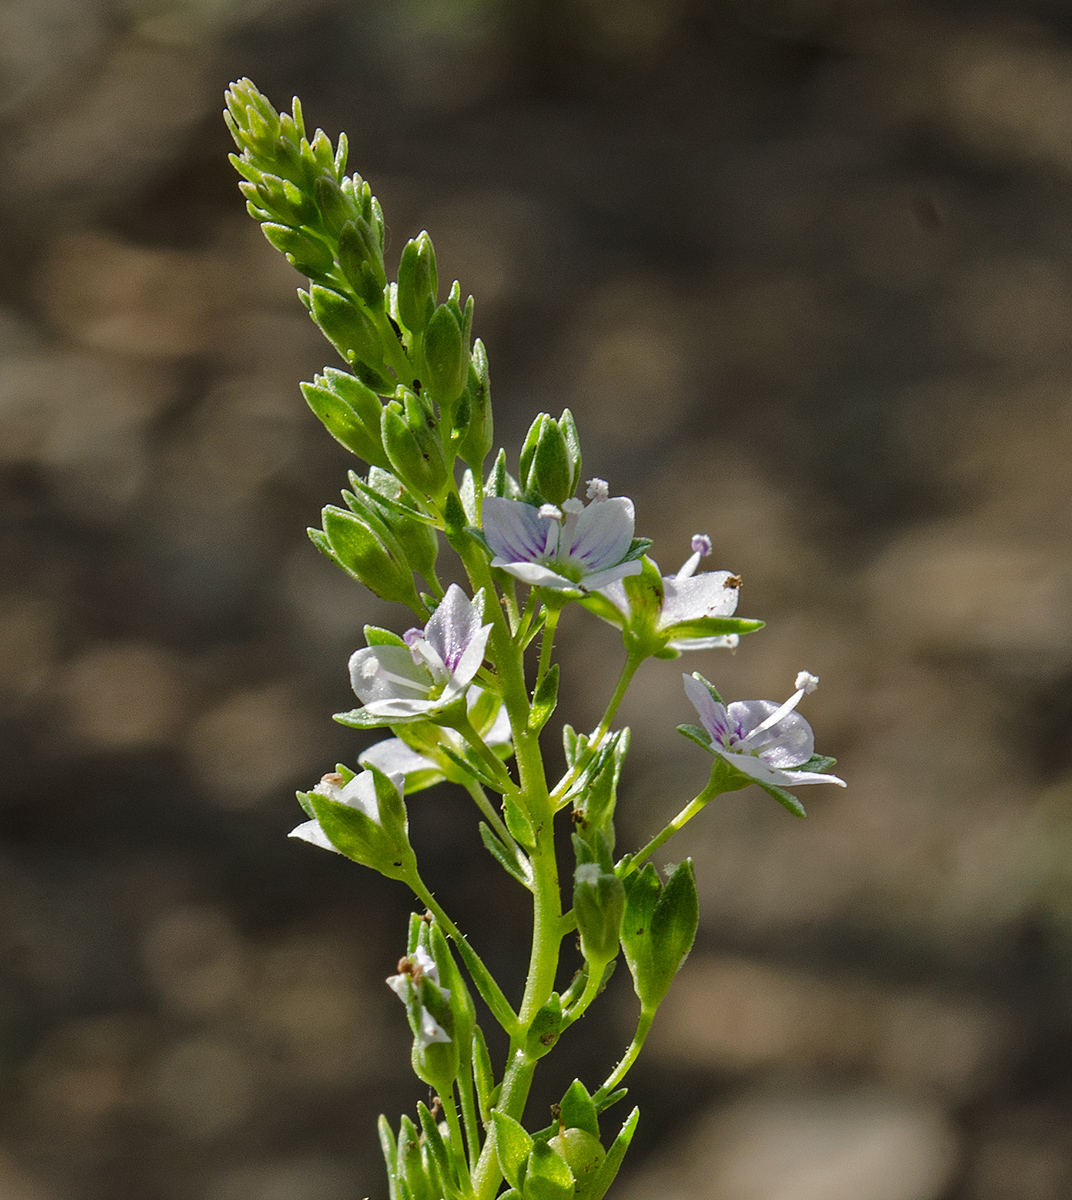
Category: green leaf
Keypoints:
(547, 1176)
(712, 627)
(483, 1076)
(518, 824)
(506, 858)
(433, 1139)
(512, 1146)
(615, 1154)
(545, 1029)
(389, 1149)
(544, 700)
(360, 718)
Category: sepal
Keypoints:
(658, 929)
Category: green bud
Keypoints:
(474, 441)
(597, 795)
(598, 904)
(446, 357)
(343, 323)
(550, 459)
(418, 283)
(463, 1010)
(368, 551)
(337, 207)
(381, 843)
(545, 1029)
(305, 253)
(418, 539)
(583, 1154)
(658, 929)
(411, 439)
(350, 413)
(361, 260)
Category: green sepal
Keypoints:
(598, 907)
(786, 799)
(375, 636)
(412, 1173)
(545, 1029)
(547, 1176)
(360, 718)
(596, 796)
(366, 549)
(349, 411)
(512, 1147)
(544, 700)
(500, 482)
(576, 1110)
(361, 260)
(337, 207)
(506, 858)
(817, 762)
(611, 1164)
(483, 1076)
(711, 627)
(658, 929)
(355, 834)
(304, 252)
(697, 734)
(710, 687)
(474, 442)
(461, 1002)
(583, 1154)
(411, 439)
(638, 547)
(469, 767)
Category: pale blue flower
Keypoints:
(763, 740)
(431, 670)
(689, 597)
(571, 548)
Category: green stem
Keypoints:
(522, 629)
(629, 669)
(457, 1141)
(489, 990)
(715, 787)
(488, 757)
(591, 990)
(550, 623)
(630, 1057)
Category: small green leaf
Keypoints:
(512, 1146)
(615, 1154)
(547, 1176)
(544, 700)
(505, 857)
(483, 1076)
(577, 1110)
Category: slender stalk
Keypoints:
(469, 1114)
(550, 623)
(491, 816)
(629, 669)
(489, 990)
(630, 1057)
(487, 756)
(591, 990)
(713, 789)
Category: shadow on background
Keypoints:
(803, 270)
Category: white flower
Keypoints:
(359, 793)
(434, 667)
(572, 548)
(761, 739)
(417, 966)
(690, 597)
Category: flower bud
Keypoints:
(411, 439)
(550, 459)
(364, 818)
(427, 1001)
(368, 551)
(474, 441)
(658, 929)
(337, 207)
(446, 357)
(348, 329)
(361, 260)
(350, 412)
(419, 541)
(583, 1154)
(418, 283)
(598, 905)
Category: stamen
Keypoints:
(572, 506)
(598, 489)
(807, 682)
(701, 544)
(776, 716)
(550, 512)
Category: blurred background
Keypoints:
(803, 270)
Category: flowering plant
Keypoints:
(461, 700)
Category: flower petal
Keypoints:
(703, 595)
(469, 663)
(729, 641)
(600, 579)
(311, 832)
(393, 757)
(602, 535)
(453, 626)
(515, 531)
(712, 714)
(787, 743)
(387, 673)
(360, 793)
(535, 575)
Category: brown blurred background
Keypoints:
(803, 269)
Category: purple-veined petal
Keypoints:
(787, 743)
(535, 575)
(712, 714)
(602, 535)
(703, 595)
(515, 531)
(453, 626)
(380, 673)
(311, 832)
(600, 579)
(469, 662)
